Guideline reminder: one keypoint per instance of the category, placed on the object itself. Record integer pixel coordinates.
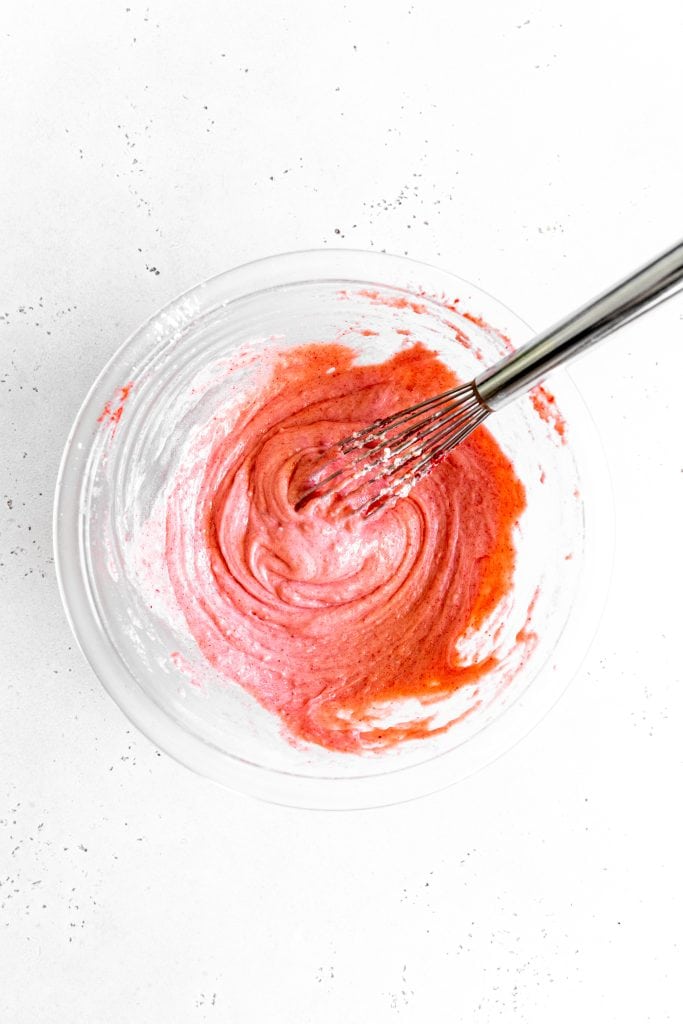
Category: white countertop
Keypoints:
(532, 148)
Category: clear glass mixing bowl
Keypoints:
(125, 446)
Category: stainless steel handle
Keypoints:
(647, 287)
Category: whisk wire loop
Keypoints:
(384, 460)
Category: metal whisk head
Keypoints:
(384, 461)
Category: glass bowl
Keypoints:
(170, 378)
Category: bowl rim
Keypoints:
(287, 788)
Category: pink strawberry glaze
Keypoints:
(328, 620)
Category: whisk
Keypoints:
(383, 461)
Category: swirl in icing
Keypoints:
(330, 621)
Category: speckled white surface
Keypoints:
(537, 152)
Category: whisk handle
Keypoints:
(640, 291)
